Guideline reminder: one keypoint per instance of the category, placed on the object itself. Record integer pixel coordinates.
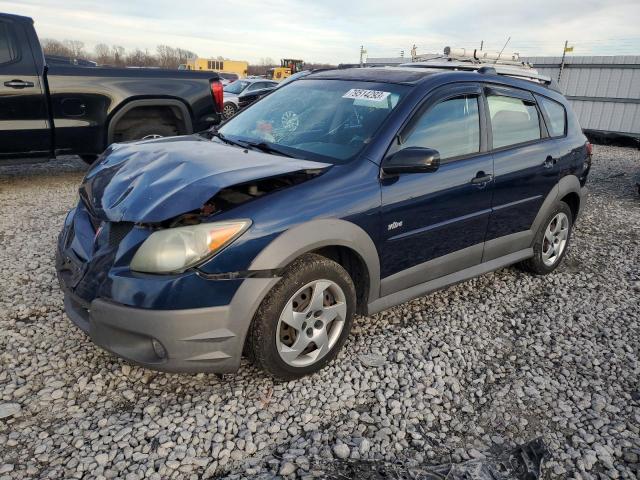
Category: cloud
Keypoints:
(333, 30)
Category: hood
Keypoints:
(156, 180)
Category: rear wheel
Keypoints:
(229, 110)
(304, 321)
(148, 129)
(551, 241)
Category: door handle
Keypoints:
(481, 179)
(18, 84)
(549, 162)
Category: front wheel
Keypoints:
(551, 241)
(304, 321)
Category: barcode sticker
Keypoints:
(371, 95)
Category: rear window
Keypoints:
(8, 51)
(513, 121)
(556, 114)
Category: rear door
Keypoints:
(525, 167)
(24, 123)
(435, 223)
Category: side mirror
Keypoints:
(412, 160)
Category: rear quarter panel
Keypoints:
(84, 99)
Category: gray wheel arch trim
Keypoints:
(316, 234)
(567, 184)
(149, 102)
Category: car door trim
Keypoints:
(421, 289)
(428, 270)
(435, 226)
(517, 202)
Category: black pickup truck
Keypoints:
(55, 109)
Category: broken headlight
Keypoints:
(175, 249)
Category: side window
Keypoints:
(557, 116)
(8, 50)
(253, 86)
(513, 120)
(451, 127)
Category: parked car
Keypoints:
(243, 92)
(227, 78)
(270, 233)
(65, 107)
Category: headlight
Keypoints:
(175, 249)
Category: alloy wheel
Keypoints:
(228, 111)
(555, 239)
(311, 323)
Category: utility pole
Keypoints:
(481, 44)
(564, 54)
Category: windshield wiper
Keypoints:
(266, 148)
(219, 135)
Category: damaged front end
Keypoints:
(142, 189)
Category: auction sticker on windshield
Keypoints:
(371, 95)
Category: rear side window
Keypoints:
(557, 116)
(8, 51)
(513, 121)
(451, 127)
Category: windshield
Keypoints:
(236, 87)
(327, 120)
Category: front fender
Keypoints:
(316, 234)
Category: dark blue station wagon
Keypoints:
(344, 192)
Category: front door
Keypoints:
(24, 124)
(435, 223)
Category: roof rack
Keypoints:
(486, 63)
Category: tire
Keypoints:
(287, 353)
(542, 261)
(229, 109)
(150, 128)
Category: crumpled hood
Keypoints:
(156, 180)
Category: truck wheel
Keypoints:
(551, 241)
(304, 320)
(229, 110)
(147, 129)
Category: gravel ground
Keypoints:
(466, 372)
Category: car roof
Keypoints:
(401, 75)
(413, 76)
(254, 80)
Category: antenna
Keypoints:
(505, 46)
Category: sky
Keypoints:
(332, 31)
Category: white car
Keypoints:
(247, 88)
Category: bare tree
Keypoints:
(103, 54)
(55, 47)
(76, 48)
(170, 57)
(118, 55)
(139, 58)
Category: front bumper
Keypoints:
(191, 340)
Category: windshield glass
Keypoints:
(326, 120)
(236, 87)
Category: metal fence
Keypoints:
(603, 90)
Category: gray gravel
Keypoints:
(480, 367)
